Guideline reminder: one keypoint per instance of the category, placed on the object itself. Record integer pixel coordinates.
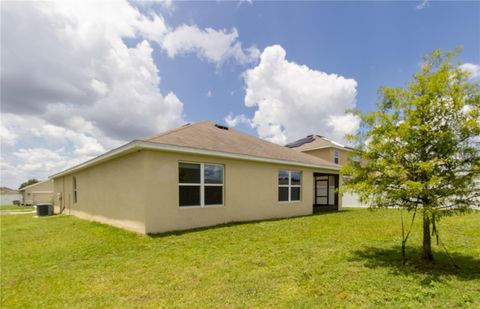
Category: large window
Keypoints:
(200, 184)
(289, 186)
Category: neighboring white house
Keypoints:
(7, 196)
(40, 192)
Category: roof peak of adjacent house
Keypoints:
(315, 141)
(7, 191)
(34, 184)
(208, 138)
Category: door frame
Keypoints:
(320, 207)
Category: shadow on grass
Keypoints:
(231, 224)
(391, 258)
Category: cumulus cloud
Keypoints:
(216, 46)
(62, 59)
(36, 140)
(7, 136)
(293, 100)
(473, 69)
(233, 121)
(67, 70)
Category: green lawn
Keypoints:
(345, 259)
(16, 208)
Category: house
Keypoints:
(322, 147)
(8, 196)
(333, 152)
(198, 175)
(40, 192)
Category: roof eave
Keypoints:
(328, 146)
(139, 144)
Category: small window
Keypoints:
(336, 156)
(289, 186)
(74, 180)
(200, 184)
(356, 158)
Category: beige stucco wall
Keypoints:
(250, 193)
(328, 153)
(111, 192)
(41, 192)
(139, 192)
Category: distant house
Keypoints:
(7, 196)
(198, 175)
(324, 148)
(333, 152)
(40, 192)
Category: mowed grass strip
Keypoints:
(341, 259)
(16, 208)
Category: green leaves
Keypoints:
(421, 146)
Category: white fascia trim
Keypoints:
(137, 145)
(230, 155)
(129, 147)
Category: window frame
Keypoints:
(336, 156)
(289, 186)
(75, 189)
(202, 185)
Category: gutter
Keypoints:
(139, 144)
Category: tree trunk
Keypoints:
(427, 241)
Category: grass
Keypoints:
(16, 208)
(346, 259)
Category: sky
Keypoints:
(81, 78)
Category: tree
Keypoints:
(420, 149)
(27, 183)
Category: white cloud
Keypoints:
(293, 100)
(234, 121)
(69, 58)
(60, 147)
(36, 160)
(423, 4)
(215, 46)
(473, 69)
(7, 136)
(72, 86)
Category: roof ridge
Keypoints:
(187, 125)
(240, 134)
(34, 184)
(283, 147)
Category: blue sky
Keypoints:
(375, 43)
(80, 78)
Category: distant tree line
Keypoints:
(28, 182)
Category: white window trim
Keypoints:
(289, 186)
(202, 185)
